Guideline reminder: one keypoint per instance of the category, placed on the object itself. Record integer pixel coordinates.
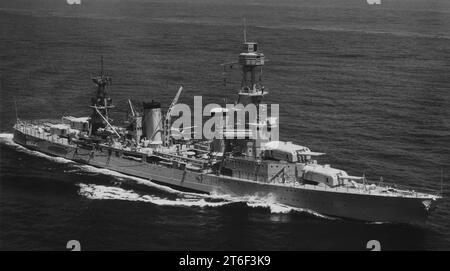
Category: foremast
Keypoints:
(101, 103)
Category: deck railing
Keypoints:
(34, 131)
(368, 187)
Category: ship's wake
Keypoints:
(191, 199)
(103, 192)
(187, 199)
(181, 199)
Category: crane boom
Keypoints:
(175, 100)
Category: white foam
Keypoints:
(102, 192)
(6, 136)
(268, 201)
(120, 177)
(377, 223)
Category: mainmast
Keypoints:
(101, 103)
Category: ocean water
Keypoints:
(368, 85)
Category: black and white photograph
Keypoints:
(224, 126)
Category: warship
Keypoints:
(237, 163)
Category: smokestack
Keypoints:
(152, 122)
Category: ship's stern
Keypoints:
(19, 137)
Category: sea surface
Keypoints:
(368, 85)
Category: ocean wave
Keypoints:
(278, 208)
(376, 223)
(288, 27)
(268, 202)
(398, 33)
(6, 136)
(102, 192)
(121, 177)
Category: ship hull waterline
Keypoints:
(363, 207)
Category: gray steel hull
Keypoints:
(346, 205)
